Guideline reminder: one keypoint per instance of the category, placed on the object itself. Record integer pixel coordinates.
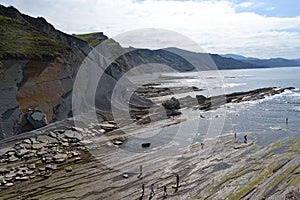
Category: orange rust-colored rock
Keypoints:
(40, 87)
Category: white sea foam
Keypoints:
(229, 85)
(245, 104)
(238, 76)
(275, 128)
(297, 108)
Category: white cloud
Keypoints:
(249, 4)
(245, 4)
(214, 25)
(270, 8)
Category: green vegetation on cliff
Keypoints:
(93, 39)
(22, 40)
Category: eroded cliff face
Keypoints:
(37, 67)
(40, 87)
(35, 92)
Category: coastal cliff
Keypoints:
(36, 72)
(39, 64)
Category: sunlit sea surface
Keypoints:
(263, 121)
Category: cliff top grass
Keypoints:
(93, 39)
(97, 38)
(24, 41)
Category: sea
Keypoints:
(263, 121)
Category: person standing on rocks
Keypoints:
(143, 189)
(286, 120)
(177, 183)
(152, 193)
(141, 172)
(165, 191)
(245, 139)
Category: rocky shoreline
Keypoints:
(173, 105)
(217, 170)
(151, 90)
(45, 153)
(83, 163)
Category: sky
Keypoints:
(253, 28)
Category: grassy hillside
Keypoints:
(22, 40)
(93, 39)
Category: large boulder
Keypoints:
(172, 104)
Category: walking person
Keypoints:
(143, 189)
(141, 172)
(165, 191)
(143, 192)
(202, 145)
(177, 183)
(245, 139)
(152, 193)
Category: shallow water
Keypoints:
(262, 121)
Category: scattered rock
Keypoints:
(144, 120)
(3, 170)
(77, 159)
(20, 173)
(13, 158)
(73, 135)
(65, 144)
(41, 152)
(75, 153)
(11, 152)
(74, 128)
(25, 146)
(23, 178)
(108, 126)
(48, 174)
(51, 167)
(22, 152)
(86, 142)
(37, 146)
(83, 148)
(52, 134)
(34, 141)
(68, 169)
(10, 175)
(117, 142)
(101, 131)
(171, 104)
(59, 131)
(41, 169)
(9, 184)
(59, 158)
(46, 139)
(27, 141)
(37, 118)
(30, 172)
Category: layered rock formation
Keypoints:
(39, 65)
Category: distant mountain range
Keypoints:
(272, 62)
(203, 61)
(206, 61)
